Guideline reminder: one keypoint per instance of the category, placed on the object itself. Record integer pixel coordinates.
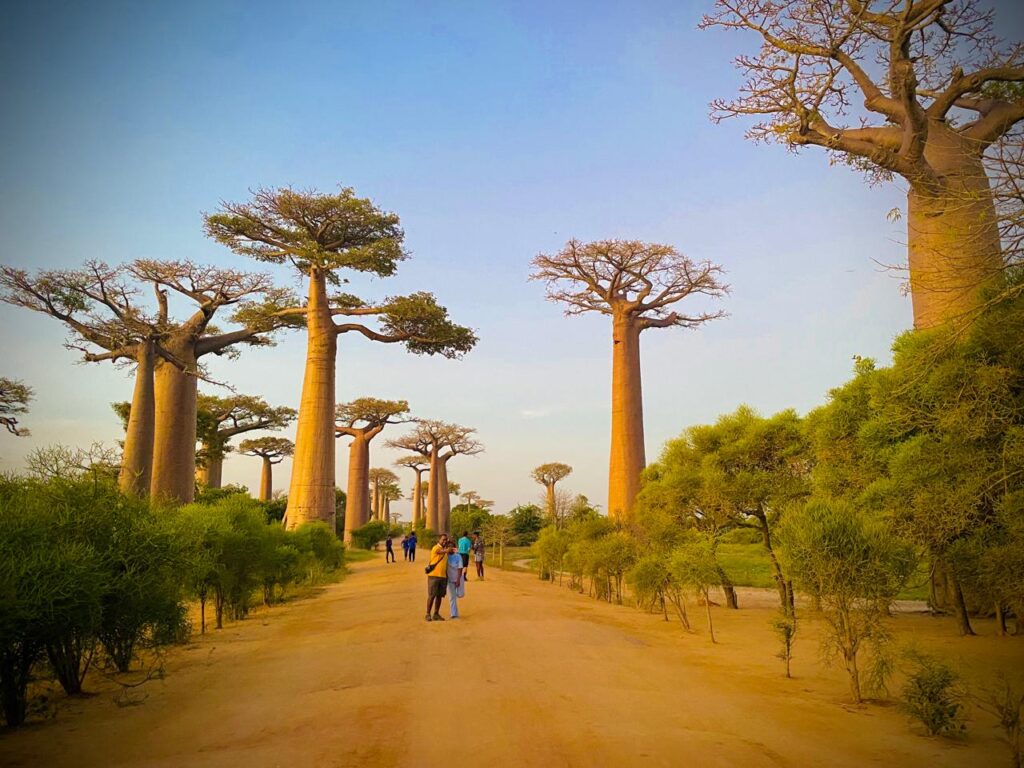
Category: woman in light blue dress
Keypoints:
(454, 581)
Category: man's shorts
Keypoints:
(436, 586)
(465, 560)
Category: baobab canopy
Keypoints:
(320, 235)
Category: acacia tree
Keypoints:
(101, 309)
(549, 475)
(272, 450)
(362, 420)
(14, 399)
(221, 418)
(932, 78)
(380, 477)
(321, 236)
(419, 465)
(636, 284)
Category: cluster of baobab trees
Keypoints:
(320, 235)
(946, 93)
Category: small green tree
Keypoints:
(933, 696)
(693, 565)
(655, 585)
(855, 566)
(14, 399)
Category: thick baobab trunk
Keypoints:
(550, 489)
(266, 479)
(417, 498)
(357, 504)
(432, 497)
(311, 493)
(627, 446)
(212, 474)
(174, 434)
(387, 511)
(953, 235)
(444, 499)
(137, 459)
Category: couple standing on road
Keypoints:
(447, 572)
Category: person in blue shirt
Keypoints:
(456, 572)
(465, 547)
(412, 547)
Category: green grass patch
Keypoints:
(355, 555)
(748, 565)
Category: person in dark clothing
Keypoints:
(412, 547)
(389, 546)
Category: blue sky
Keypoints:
(496, 131)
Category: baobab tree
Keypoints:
(440, 442)
(389, 491)
(14, 399)
(380, 477)
(272, 450)
(102, 311)
(323, 236)
(636, 284)
(935, 85)
(419, 465)
(222, 418)
(549, 475)
(362, 420)
(186, 342)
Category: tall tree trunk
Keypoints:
(444, 499)
(963, 620)
(953, 236)
(311, 493)
(266, 480)
(780, 581)
(174, 434)
(627, 459)
(432, 497)
(212, 474)
(417, 498)
(137, 457)
(550, 488)
(357, 504)
(387, 511)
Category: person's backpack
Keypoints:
(433, 565)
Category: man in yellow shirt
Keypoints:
(437, 577)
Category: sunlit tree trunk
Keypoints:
(627, 444)
(266, 480)
(953, 236)
(444, 499)
(212, 474)
(137, 459)
(174, 434)
(357, 505)
(311, 493)
(432, 495)
(550, 491)
(417, 498)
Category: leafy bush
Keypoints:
(932, 695)
(854, 565)
(373, 533)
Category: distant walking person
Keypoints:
(478, 554)
(412, 547)
(465, 545)
(437, 578)
(389, 547)
(456, 575)
(405, 547)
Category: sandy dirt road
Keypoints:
(532, 675)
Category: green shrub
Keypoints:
(371, 534)
(855, 565)
(932, 695)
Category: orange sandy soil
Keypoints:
(532, 675)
